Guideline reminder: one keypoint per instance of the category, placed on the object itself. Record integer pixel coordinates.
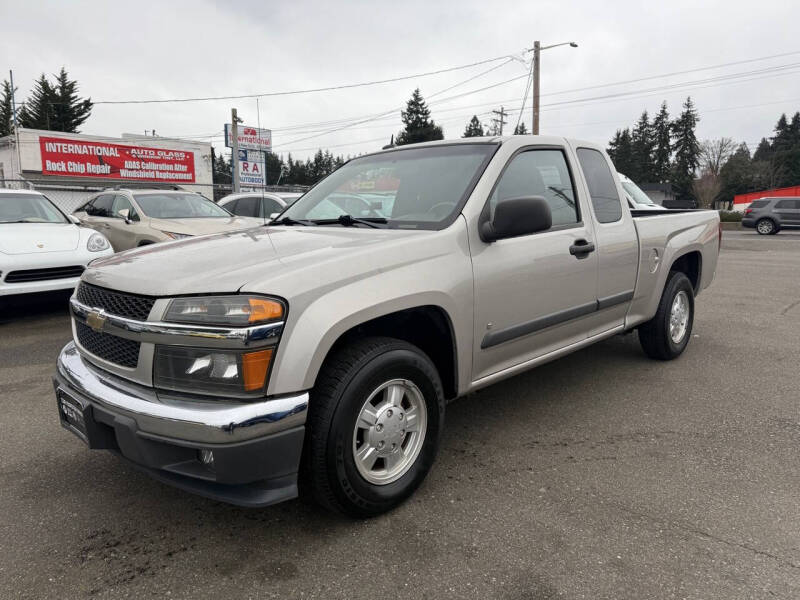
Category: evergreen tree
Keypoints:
(521, 129)
(621, 151)
(786, 151)
(419, 127)
(221, 171)
(763, 151)
(737, 175)
(474, 128)
(662, 151)
(687, 151)
(273, 165)
(643, 146)
(55, 106)
(6, 110)
(36, 112)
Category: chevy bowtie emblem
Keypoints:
(96, 320)
(39, 244)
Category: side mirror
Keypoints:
(517, 216)
(74, 219)
(273, 216)
(125, 214)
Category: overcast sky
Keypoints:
(161, 50)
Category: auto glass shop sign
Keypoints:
(103, 160)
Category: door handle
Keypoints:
(581, 248)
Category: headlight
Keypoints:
(212, 371)
(97, 243)
(176, 236)
(235, 311)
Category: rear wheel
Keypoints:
(375, 419)
(667, 334)
(766, 227)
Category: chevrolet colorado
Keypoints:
(323, 346)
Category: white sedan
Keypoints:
(41, 249)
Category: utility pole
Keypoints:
(14, 118)
(536, 54)
(501, 121)
(235, 120)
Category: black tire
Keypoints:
(654, 336)
(345, 382)
(768, 225)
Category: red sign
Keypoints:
(79, 158)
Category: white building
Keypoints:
(68, 167)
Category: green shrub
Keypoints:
(730, 216)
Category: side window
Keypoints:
(539, 173)
(230, 206)
(101, 206)
(271, 206)
(247, 207)
(602, 189)
(121, 202)
(791, 204)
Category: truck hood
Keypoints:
(264, 259)
(204, 226)
(35, 238)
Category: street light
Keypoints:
(537, 49)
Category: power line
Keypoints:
(310, 90)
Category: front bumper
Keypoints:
(256, 446)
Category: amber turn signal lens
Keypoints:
(254, 369)
(264, 310)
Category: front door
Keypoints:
(533, 294)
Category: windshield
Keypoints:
(29, 208)
(636, 194)
(416, 188)
(178, 206)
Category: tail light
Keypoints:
(747, 211)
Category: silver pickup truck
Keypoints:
(323, 347)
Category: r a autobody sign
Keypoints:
(79, 158)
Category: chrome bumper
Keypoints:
(193, 419)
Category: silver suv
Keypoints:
(769, 215)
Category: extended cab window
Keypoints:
(602, 189)
(539, 173)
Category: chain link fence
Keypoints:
(69, 196)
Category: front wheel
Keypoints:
(667, 334)
(375, 420)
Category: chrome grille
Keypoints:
(108, 347)
(130, 306)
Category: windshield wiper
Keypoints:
(350, 221)
(291, 221)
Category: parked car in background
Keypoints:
(338, 338)
(258, 204)
(637, 199)
(769, 215)
(131, 218)
(41, 248)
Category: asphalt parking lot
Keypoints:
(601, 475)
